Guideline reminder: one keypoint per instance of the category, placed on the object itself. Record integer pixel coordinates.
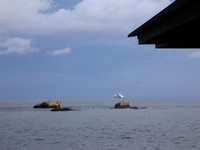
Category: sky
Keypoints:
(80, 48)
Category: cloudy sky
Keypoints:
(80, 48)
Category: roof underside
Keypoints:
(177, 26)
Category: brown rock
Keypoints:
(122, 105)
(48, 104)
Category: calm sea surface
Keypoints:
(167, 124)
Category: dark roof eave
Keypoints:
(163, 14)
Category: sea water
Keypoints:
(166, 124)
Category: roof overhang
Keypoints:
(177, 26)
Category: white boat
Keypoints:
(118, 95)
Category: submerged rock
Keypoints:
(48, 104)
(134, 107)
(62, 109)
(122, 105)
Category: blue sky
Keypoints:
(80, 48)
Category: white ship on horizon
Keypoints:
(118, 95)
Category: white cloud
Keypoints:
(16, 45)
(34, 16)
(60, 52)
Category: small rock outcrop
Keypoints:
(62, 109)
(122, 105)
(48, 104)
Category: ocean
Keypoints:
(166, 124)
